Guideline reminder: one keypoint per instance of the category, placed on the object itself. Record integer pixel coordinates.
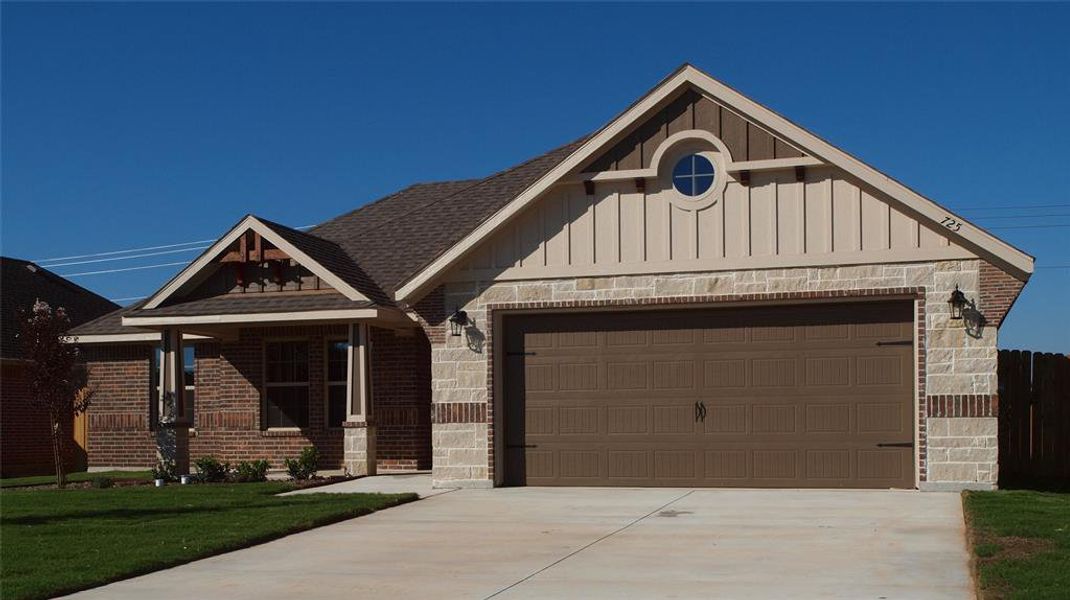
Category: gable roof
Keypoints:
(23, 282)
(977, 240)
(396, 236)
(394, 248)
(340, 271)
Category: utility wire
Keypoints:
(174, 264)
(39, 261)
(133, 256)
(1030, 226)
(113, 252)
(1008, 207)
(1004, 217)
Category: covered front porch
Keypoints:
(354, 384)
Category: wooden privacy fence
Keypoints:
(1034, 416)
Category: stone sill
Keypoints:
(284, 433)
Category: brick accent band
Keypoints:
(459, 412)
(962, 405)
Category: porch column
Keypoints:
(360, 431)
(172, 429)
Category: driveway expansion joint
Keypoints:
(586, 546)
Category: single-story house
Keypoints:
(699, 293)
(25, 433)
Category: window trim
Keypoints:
(264, 385)
(328, 383)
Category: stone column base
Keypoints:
(359, 453)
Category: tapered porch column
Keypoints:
(359, 453)
(172, 425)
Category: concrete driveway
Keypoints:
(603, 543)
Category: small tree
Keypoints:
(57, 381)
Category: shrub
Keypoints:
(102, 483)
(165, 471)
(210, 470)
(253, 471)
(305, 466)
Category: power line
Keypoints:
(174, 264)
(126, 299)
(113, 252)
(993, 218)
(1009, 207)
(1030, 226)
(129, 250)
(132, 256)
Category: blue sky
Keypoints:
(132, 125)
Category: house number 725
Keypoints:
(951, 224)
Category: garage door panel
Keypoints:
(799, 397)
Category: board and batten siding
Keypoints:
(776, 221)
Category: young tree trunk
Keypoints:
(57, 451)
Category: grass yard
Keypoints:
(57, 541)
(1021, 541)
(11, 482)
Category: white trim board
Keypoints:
(187, 276)
(976, 239)
(113, 338)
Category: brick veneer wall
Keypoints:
(25, 438)
(119, 434)
(998, 291)
(227, 408)
(950, 362)
(401, 399)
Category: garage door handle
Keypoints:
(896, 445)
(521, 445)
(896, 343)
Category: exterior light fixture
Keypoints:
(957, 302)
(458, 320)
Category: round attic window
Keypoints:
(693, 175)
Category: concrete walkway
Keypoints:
(603, 543)
(418, 483)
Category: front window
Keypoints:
(693, 175)
(286, 384)
(337, 377)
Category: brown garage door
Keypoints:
(799, 396)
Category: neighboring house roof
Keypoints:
(22, 283)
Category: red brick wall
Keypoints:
(999, 290)
(25, 441)
(119, 434)
(227, 408)
(401, 397)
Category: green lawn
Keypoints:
(57, 541)
(1022, 543)
(11, 482)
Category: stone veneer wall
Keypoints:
(951, 362)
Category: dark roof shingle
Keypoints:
(22, 283)
(393, 238)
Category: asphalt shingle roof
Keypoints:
(22, 283)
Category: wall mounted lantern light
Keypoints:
(957, 302)
(458, 321)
